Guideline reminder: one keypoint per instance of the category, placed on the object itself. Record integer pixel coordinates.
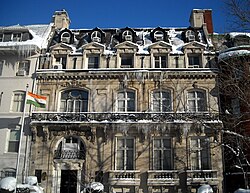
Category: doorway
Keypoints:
(68, 181)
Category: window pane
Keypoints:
(18, 102)
(120, 160)
(157, 160)
(130, 160)
(167, 160)
(120, 143)
(130, 143)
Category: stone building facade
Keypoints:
(133, 108)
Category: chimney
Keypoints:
(199, 17)
(208, 20)
(61, 19)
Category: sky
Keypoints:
(85, 14)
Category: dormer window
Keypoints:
(96, 36)
(17, 37)
(190, 35)
(127, 35)
(65, 37)
(159, 36)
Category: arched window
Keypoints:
(74, 101)
(127, 35)
(161, 101)
(96, 36)
(126, 101)
(65, 37)
(159, 36)
(70, 148)
(197, 101)
(190, 35)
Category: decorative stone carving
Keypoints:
(73, 84)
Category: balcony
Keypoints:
(164, 178)
(69, 154)
(202, 176)
(122, 117)
(122, 177)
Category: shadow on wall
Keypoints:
(9, 123)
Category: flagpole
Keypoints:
(21, 134)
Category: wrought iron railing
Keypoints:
(127, 117)
(69, 154)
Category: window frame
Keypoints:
(69, 104)
(23, 66)
(96, 36)
(125, 100)
(65, 39)
(19, 107)
(125, 157)
(124, 61)
(193, 59)
(198, 102)
(161, 100)
(15, 148)
(160, 60)
(95, 64)
(197, 155)
(162, 150)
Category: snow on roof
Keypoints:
(234, 34)
(40, 35)
(229, 54)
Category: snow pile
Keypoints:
(205, 189)
(8, 183)
(93, 187)
(242, 191)
(31, 180)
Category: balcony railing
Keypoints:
(122, 177)
(126, 117)
(156, 177)
(69, 154)
(202, 176)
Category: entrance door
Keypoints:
(68, 181)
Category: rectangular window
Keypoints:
(126, 61)
(197, 101)
(16, 37)
(23, 68)
(162, 154)
(125, 154)
(200, 153)
(194, 61)
(160, 62)
(62, 60)
(18, 102)
(162, 101)
(7, 37)
(126, 101)
(93, 62)
(14, 140)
